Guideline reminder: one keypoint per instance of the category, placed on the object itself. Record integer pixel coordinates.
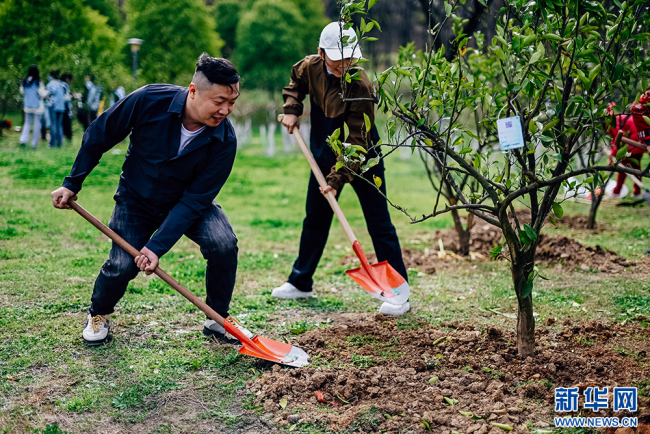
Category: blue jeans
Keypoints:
(212, 232)
(56, 128)
(24, 135)
(317, 223)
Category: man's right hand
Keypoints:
(61, 196)
(291, 122)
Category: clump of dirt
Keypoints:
(559, 249)
(372, 375)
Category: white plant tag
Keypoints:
(511, 135)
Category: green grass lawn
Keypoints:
(159, 374)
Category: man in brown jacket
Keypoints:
(320, 77)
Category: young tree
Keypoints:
(559, 64)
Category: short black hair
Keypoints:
(55, 74)
(66, 76)
(217, 70)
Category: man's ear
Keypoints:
(321, 53)
(193, 90)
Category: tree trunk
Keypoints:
(596, 199)
(463, 234)
(521, 266)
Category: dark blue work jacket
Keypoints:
(182, 186)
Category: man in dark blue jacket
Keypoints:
(181, 153)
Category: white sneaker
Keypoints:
(394, 309)
(96, 330)
(289, 291)
(212, 328)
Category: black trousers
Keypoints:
(67, 125)
(317, 223)
(212, 232)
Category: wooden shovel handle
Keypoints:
(159, 272)
(621, 138)
(323, 183)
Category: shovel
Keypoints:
(256, 346)
(381, 280)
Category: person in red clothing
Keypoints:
(639, 110)
(625, 123)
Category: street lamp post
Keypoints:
(135, 47)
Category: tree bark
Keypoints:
(463, 234)
(596, 199)
(521, 266)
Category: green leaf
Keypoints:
(433, 380)
(552, 37)
(466, 413)
(646, 119)
(524, 238)
(346, 131)
(594, 72)
(527, 289)
(371, 3)
(447, 9)
(377, 181)
(537, 54)
(371, 163)
(451, 401)
(496, 252)
(283, 403)
(552, 220)
(336, 148)
(620, 154)
(557, 210)
(367, 122)
(465, 151)
(426, 424)
(335, 135)
(502, 426)
(550, 125)
(530, 232)
(339, 164)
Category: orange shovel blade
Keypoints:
(268, 349)
(381, 280)
(385, 283)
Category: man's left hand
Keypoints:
(147, 262)
(327, 190)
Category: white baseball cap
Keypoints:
(330, 41)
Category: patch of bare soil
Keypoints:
(377, 378)
(562, 250)
(576, 222)
(558, 250)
